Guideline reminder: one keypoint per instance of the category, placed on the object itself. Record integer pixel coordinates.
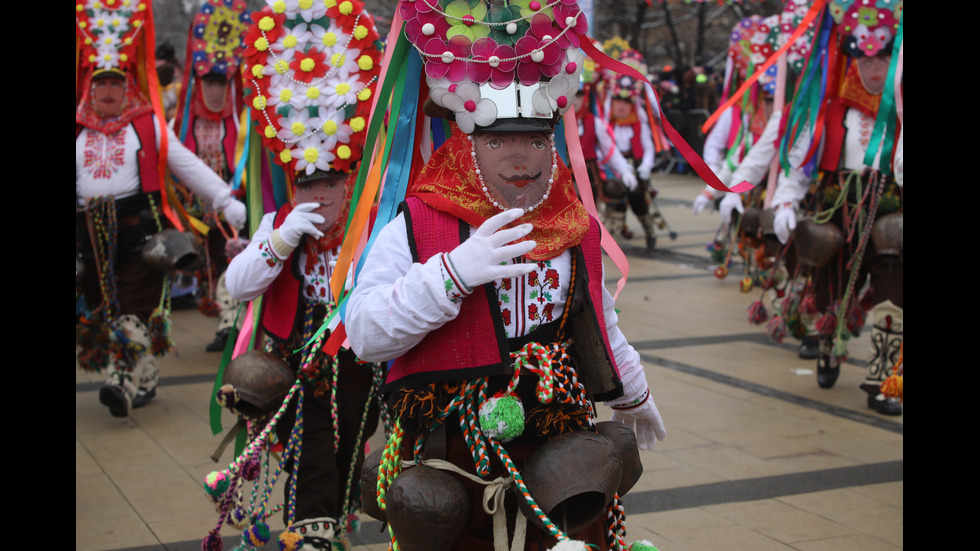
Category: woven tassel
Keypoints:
(827, 324)
(757, 313)
(893, 387)
(855, 319)
(776, 328)
(208, 306)
(808, 305)
(159, 329)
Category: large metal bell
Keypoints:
(427, 509)
(369, 485)
(888, 233)
(572, 478)
(261, 380)
(751, 220)
(817, 243)
(614, 189)
(767, 223)
(171, 250)
(624, 439)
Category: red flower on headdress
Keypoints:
(447, 60)
(308, 66)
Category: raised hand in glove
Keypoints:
(644, 419)
(301, 221)
(643, 172)
(730, 203)
(483, 257)
(235, 213)
(784, 222)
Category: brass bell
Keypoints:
(261, 381)
(751, 221)
(817, 243)
(171, 250)
(572, 478)
(427, 509)
(614, 188)
(887, 235)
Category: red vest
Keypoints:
(280, 303)
(228, 142)
(474, 344)
(147, 156)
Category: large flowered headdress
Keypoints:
(108, 33)
(867, 26)
(498, 62)
(217, 37)
(311, 68)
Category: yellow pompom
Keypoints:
(285, 95)
(286, 156)
(261, 44)
(343, 152)
(337, 59)
(79, 7)
(307, 64)
(123, 58)
(298, 128)
(312, 92)
(259, 102)
(267, 24)
(346, 8)
(279, 6)
(257, 71)
(289, 41)
(342, 88)
(330, 128)
(365, 63)
(305, 4)
(357, 124)
(311, 154)
(364, 94)
(360, 32)
(270, 132)
(329, 3)
(281, 67)
(329, 39)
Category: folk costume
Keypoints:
(496, 351)
(852, 233)
(309, 74)
(209, 125)
(119, 168)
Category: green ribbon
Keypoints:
(886, 121)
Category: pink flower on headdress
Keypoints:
(871, 42)
(499, 66)
(571, 17)
(411, 10)
(540, 55)
(530, 7)
(447, 60)
(470, 109)
(425, 25)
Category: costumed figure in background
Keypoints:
(171, 76)
(208, 123)
(610, 173)
(626, 112)
(763, 113)
(123, 147)
(309, 78)
(851, 241)
(486, 293)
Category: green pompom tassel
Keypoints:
(502, 417)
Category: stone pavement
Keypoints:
(757, 457)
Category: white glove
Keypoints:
(730, 202)
(645, 421)
(643, 172)
(302, 220)
(784, 223)
(483, 257)
(235, 214)
(701, 202)
(629, 180)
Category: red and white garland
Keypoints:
(311, 68)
